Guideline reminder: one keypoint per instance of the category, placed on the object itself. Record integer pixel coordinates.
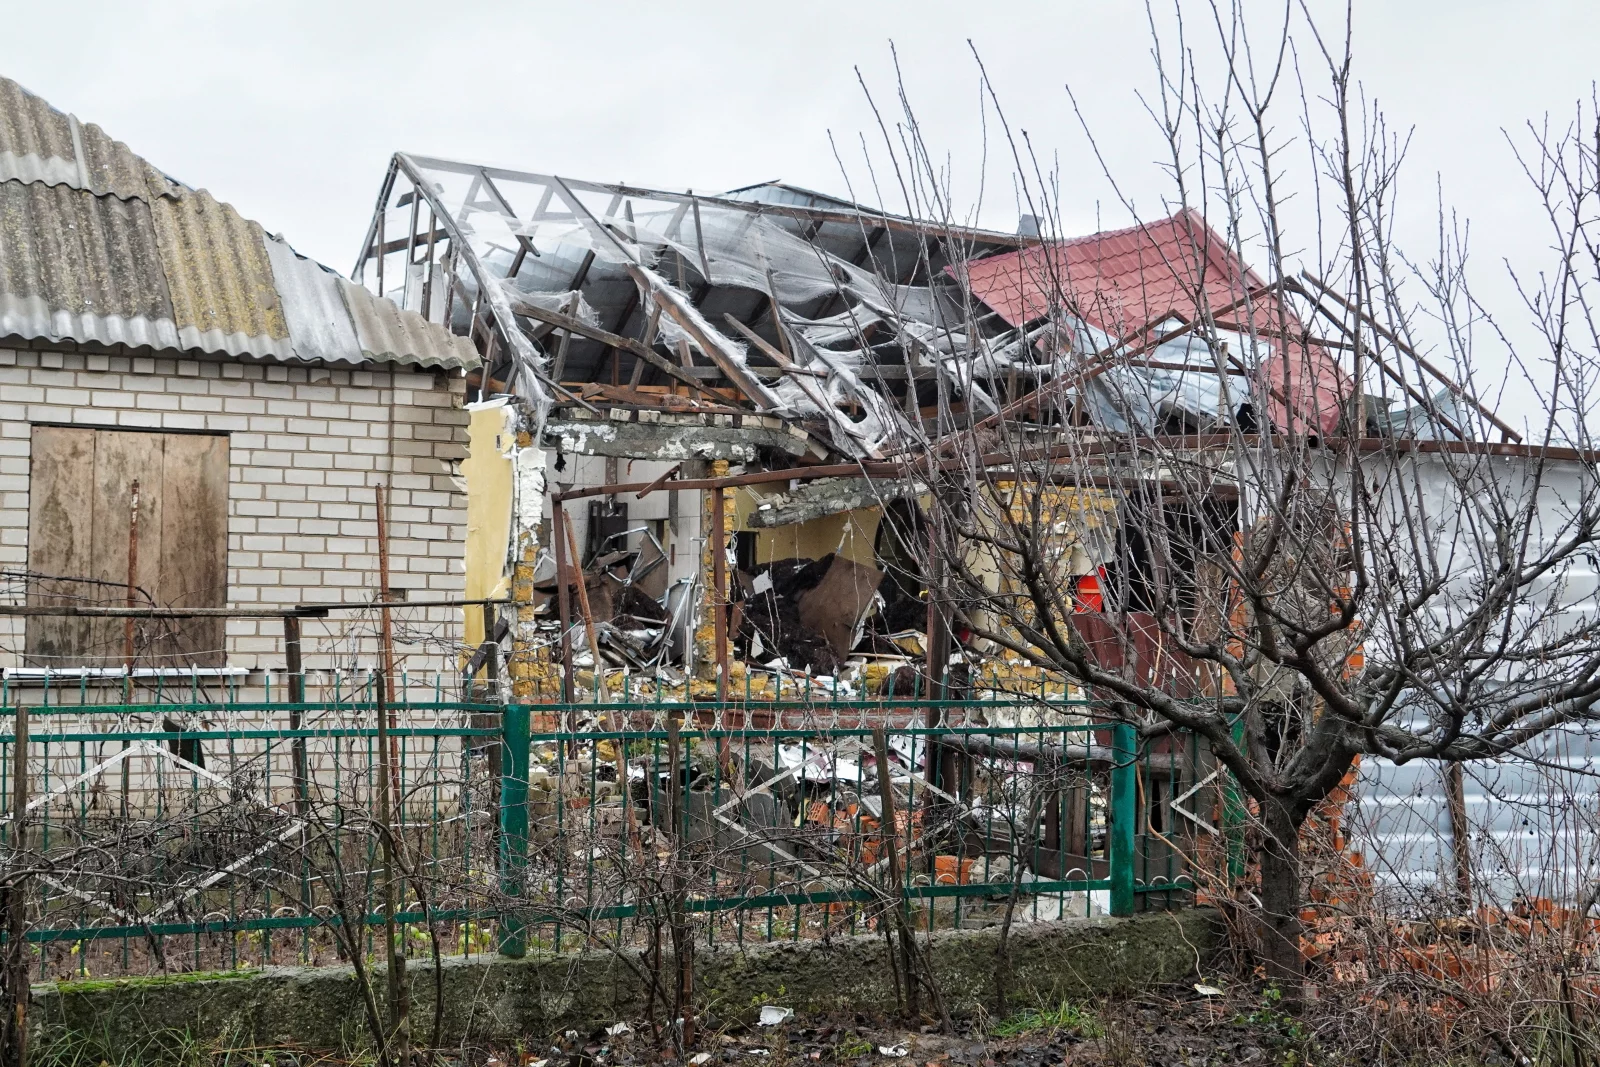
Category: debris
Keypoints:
(772, 1015)
(698, 1058)
(837, 606)
(617, 1029)
(1207, 990)
(773, 613)
(894, 1052)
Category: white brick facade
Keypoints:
(307, 448)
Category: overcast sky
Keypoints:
(290, 109)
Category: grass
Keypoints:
(173, 1048)
(853, 1047)
(83, 985)
(1073, 1018)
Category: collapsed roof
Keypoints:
(97, 246)
(862, 333)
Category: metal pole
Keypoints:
(719, 590)
(127, 630)
(1235, 813)
(514, 743)
(394, 949)
(297, 696)
(682, 940)
(889, 834)
(16, 1045)
(387, 634)
(1124, 817)
(589, 629)
(491, 670)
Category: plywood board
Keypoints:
(80, 516)
(192, 568)
(60, 514)
(122, 458)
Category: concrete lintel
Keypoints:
(828, 496)
(670, 440)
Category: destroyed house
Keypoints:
(706, 406)
(195, 416)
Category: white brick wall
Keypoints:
(307, 447)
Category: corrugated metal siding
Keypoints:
(387, 333)
(38, 144)
(1532, 816)
(223, 297)
(1531, 822)
(313, 306)
(81, 267)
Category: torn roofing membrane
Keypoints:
(98, 246)
(875, 332)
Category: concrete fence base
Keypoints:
(493, 999)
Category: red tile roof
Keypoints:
(1123, 281)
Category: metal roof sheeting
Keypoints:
(98, 246)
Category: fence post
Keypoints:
(1234, 812)
(15, 1026)
(297, 695)
(514, 731)
(1124, 819)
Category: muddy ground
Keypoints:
(1170, 1027)
(1176, 1026)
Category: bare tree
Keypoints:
(1247, 504)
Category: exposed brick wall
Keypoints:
(307, 447)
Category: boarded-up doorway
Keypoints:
(80, 497)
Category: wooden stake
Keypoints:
(131, 594)
(558, 528)
(1460, 833)
(588, 623)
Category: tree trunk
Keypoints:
(1280, 901)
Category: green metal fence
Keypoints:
(201, 836)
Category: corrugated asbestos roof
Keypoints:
(97, 245)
